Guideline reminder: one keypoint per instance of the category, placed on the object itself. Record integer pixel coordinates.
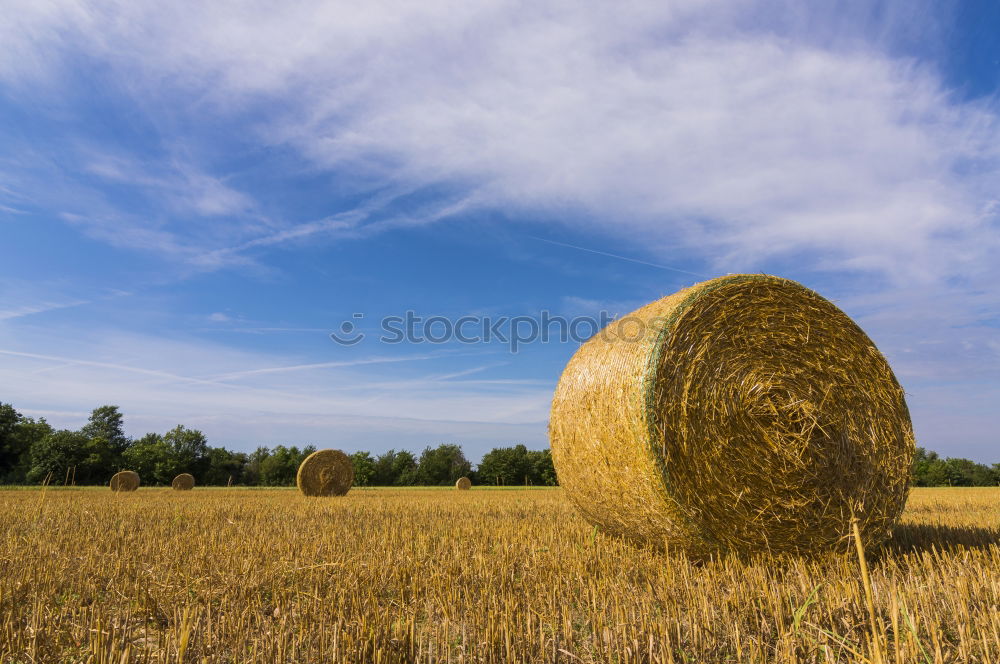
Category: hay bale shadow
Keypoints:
(916, 538)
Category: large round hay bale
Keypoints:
(745, 413)
(325, 473)
(463, 484)
(183, 482)
(125, 480)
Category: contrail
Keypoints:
(624, 258)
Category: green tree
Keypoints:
(542, 470)
(395, 469)
(224, 466)
(17, 436)
(364, 468)
(964, 472)
(929, 469)
(188, 451)
(282, 464)
(151, 457)
(921, 466)
(108, 423)
(98, 462)
(277, 469)
(505, 465)
(383, 473)
(251, 471)
(11, 443)
(938, 474)
(442, 465)
(409, 472)
(63, 453)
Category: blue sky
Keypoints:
(194, 195)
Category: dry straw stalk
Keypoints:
(183, 482)
(463, 484)
(325, 473)
(745, 413)
(125, 480)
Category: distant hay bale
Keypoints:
(325, 473)
(745, 413)
(463, 484)
(125, 480)
(183, 482)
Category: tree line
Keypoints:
(929, 469)
(32, 451)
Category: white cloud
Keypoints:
(20, 298)
(736, 131)
(311, 366)
(186, 188)
(37, 308)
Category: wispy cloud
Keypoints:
(22, 298)
(230, 255)
(42, 307)
(194, 221)
(321, 365)
(618, 257)
(10, 210)
(265, 330)
(366, 220)
(66, 362)
(184, 186)
(736, 133)
(11, 202)
(376, 402)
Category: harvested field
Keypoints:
(501, 575)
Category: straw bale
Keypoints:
(125, 480)
(463, 484)
(183, 482)
(325, 473)
(746, 413)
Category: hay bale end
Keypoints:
(183, 482)
(746, 413)
(125, 480)
(325, 473)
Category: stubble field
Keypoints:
(384, 575)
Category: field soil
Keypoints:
(387, 575)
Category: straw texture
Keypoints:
(183, 482)
(745, 413)
(125, 480)
(463, 484)
(325, 473)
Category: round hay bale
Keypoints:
(125, 480)
(183, 482)
(745, 413)
(463, 484)
(325, 473)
